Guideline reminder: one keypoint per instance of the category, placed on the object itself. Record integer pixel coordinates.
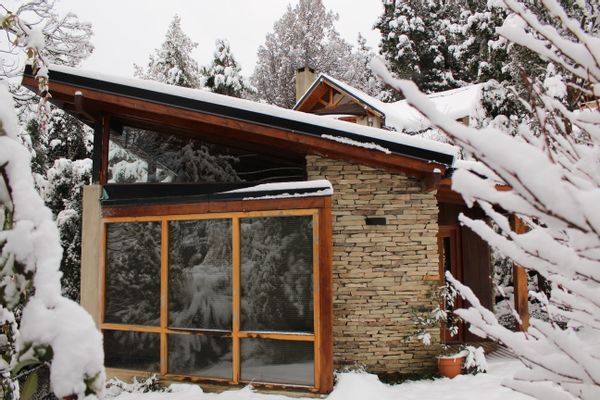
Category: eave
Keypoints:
(91, 99)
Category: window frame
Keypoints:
(322, 287)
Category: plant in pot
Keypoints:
(449, 360)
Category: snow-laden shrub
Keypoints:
(553, 168)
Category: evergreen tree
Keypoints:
(223, 74)
(172, 62)
(416, 35)
(304, 36)
(62, 166)
(364, 76)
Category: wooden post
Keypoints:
(521, 291)
(103, 173)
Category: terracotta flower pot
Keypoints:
(450, 366)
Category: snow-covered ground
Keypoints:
(363, 386)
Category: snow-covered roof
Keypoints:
(457, 103)
(299, 122)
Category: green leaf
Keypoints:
(30, 386)
(23, 364)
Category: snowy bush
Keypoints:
(554, 170)
(51, 329)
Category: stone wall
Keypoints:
(381, 273)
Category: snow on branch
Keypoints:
(553, 169)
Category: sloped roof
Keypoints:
(296, 131)
(457, 103)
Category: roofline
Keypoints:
(297, 127)
(324, 78)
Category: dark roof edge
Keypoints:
(241, 114)
(121, 198)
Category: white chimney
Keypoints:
(305, 77)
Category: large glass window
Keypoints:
(233, 298)
(144, 156)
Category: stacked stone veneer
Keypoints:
(381, 273)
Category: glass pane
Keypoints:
(133, 273)
(138, 351)
(200, 274)
(277, 274)
(205, 356)
(140, 155)
(277, 361)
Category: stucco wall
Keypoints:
(381, 273)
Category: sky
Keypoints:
(128, 31)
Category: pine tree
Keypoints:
(223, 75)
(172, 62)
(364, 77)
(304, 36)
(416, 35)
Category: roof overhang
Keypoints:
(89, 99)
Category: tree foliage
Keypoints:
(304, 36)
(223, 75)
(552, 167)
(51, 329)
(172, 63)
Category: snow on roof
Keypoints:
(267, 109)
(456, 103)
(284, 190)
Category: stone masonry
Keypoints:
(381, 273)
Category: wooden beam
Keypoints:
(104, 143)
(141, 210)
(432, 181)
(521, 291)
(80, 109)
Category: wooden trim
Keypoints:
(212, 208)
(105, 148)
(229, 215)
(316, 302)
(324, 383)
(521, 290)
(102, 275)
(299, 337)
(129, 328)
(236, 298)
(164, 295)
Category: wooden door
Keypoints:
(450, 260)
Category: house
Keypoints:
(327, 96)
(231, 241)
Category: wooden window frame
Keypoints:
(322, 285)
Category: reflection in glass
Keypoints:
(200, 274)
(137, 351)
(205, 356)
(140, 155)
(277, 273)
(133, 273)
(277, 361)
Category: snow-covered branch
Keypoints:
(553, 168)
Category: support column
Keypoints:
(91, 230)
(521, 291)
